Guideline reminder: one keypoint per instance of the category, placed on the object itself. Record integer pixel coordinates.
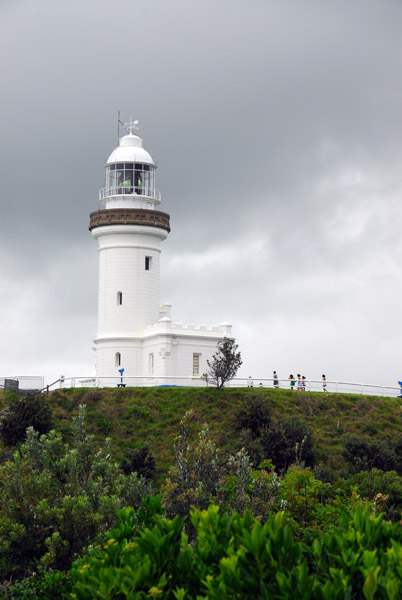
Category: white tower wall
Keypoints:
(129, 291)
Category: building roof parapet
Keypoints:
(166, 324)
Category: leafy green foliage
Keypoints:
(57, 498)
(139, 461)
(364, 454)
(224, 364)
(38, 586)
(254, 414)
(235, 556)
(195, 476)
(201, 475)
(29, 411)
(361, 559)
(288, 442)
(374, 483)
(311, 505)
(230, 558)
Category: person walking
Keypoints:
(299, 383)
(303, 383)
(324, 384)
(276, 380)
(292, 382)
(250, 382)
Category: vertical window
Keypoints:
(119, 298)
(196, 364)
(148, 261)
(138, 179)
(117, 359)
(151, 364)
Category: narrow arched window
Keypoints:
(151, 364)
(119, 298)
(117, 359)
(196, 364)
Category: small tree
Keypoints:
(224, 364)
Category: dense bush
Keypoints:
(364, 454)
(201, 475)
(254, 415)
(56, 498)
(238, 557)
(30, 411)
(195, 476)
(288, 442)
(46, 585)
(375, 483)
(139, 461)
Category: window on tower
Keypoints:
(151, 363)
(148, 262)
(117, 359)
(119, 298)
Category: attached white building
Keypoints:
(134, 332)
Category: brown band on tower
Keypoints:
(129, 216)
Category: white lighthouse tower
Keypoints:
(134, 331)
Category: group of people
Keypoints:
(301, 382)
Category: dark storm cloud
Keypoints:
(275, 128)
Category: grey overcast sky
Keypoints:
(276, 125)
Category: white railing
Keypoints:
(120, 190)
(313, 385)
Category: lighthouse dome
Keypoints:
(130, 150)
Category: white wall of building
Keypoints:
(122, 254)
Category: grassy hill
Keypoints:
(132, 417)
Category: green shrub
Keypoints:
(39, 586)
(288, 442)
(361, 559)
(30, 411)
(239, 557)
(377, 483)
(55, 499)
(140, 461)
(194, 478)
(364, 454)
(230, 558)
(201, 475)
(254, 414)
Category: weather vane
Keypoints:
(131, 126)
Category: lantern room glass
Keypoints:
(130, 178)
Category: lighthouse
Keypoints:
(135, 332)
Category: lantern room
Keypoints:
(130, 176)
